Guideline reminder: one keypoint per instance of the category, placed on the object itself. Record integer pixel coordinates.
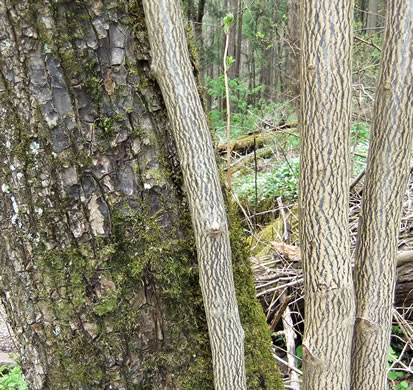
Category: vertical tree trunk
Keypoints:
(252, 68)
(232, 6)
(292, 48)
(324, 193)
(372, 16)
(97, 257)
(268, 70)
(172, 68)
(384, 189)
(363, 9)
(199, 38)
(190, 10)
(198, 24)
(210, 74)
(237, 65)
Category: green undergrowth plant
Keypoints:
(245, 117)
(360, 134)
(11, 378)
(281, 181)
(397, 379)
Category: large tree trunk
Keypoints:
(324, 193)
(98, 268)
(384, 189)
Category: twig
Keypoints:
(299, 372)
(228, 110)
(279, 313)
(370, 43)
(357, 179)
(286, 234)
(294, 283)
(290, 337)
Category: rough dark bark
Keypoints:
(97, 261)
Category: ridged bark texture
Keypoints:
(172, 68)
(96, 251)
(386, 179)
(324, 193)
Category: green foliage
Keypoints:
(228, 20)
(299, 354)
(230, 61)
(11, 378)
(245, 117)
(396, 375)
(281, 181)
(360, 131)
(393, 375)
(403, 385)
(360, 134)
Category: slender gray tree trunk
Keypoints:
(324, 193)
(172, 68)
(386, 179)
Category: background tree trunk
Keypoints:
(292, 47)
(237, 65)
(98, 268)
(372, 16)
(324, 193)
(384, 189)
(198, 23)
(232, 6)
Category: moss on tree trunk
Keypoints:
(98, 267)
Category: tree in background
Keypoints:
(292, 47)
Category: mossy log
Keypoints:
(245, 143)
(241, 162)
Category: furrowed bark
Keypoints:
(324, 193)
(96, 255)
(386, 179)
(172, 69)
